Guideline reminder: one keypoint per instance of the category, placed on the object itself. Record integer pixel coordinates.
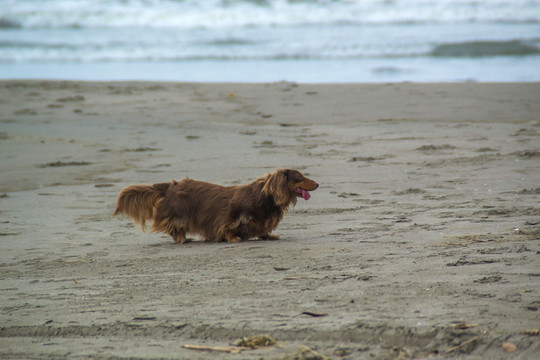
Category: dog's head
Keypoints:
(285, 185)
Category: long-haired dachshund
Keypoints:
(216, 213)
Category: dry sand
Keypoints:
(422, 239)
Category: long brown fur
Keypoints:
(215, 212)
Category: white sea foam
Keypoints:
(220, 13)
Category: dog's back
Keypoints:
(197, 206)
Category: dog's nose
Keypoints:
(316, 186)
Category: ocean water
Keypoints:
(271, 40)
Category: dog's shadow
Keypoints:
(168, 244)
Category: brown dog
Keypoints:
(217, 213)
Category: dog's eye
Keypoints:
(295, 176)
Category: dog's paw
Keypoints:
(270, 237)
(233, 239)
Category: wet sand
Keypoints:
(422, 239)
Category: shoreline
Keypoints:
(421, 237)
(375, 70)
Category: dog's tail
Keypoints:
(140, 201)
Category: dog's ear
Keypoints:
(276, 185)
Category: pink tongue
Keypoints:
(305, 194)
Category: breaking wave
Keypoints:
(485, 49)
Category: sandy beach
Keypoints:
(422, 240)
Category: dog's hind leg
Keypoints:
(179, 235)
